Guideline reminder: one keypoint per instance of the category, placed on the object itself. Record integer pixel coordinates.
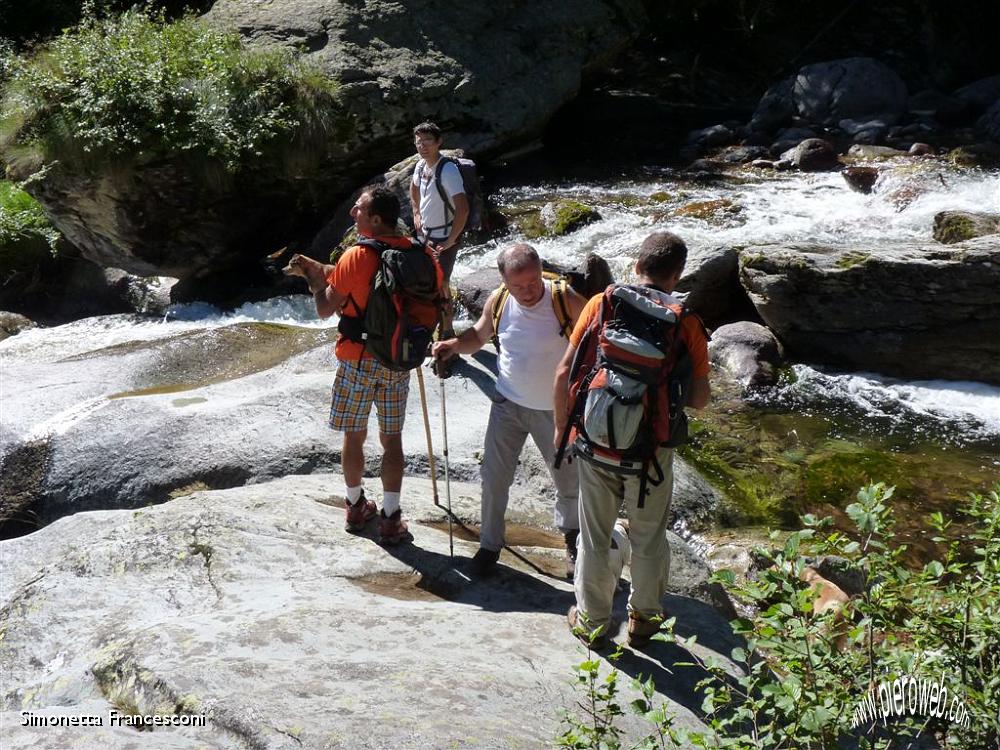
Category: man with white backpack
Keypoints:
(440, 204)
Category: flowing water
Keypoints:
(808, 444)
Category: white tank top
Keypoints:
(530, 350)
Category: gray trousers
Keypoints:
(508, 428)
(601, 493)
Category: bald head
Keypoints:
(518, 257)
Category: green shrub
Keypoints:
(21, 217)
(27, 238)
(805, 674)
(140, 86)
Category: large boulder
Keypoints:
(812, 155)
(913, 311)
(980, 95)
(855, 88)
(253, 608)
(711, 284)
(492, 74)
(748, 351)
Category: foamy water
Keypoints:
(784, 207)
(970, 410)
(90, 334)
(775, 208)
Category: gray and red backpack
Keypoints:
(628, 384)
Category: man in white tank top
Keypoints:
(531, 345)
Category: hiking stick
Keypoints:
(447, 480)
(427, 431)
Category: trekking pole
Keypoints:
(447, 480)
(427, 431)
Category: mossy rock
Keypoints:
(976, 155)
(852, 258)
(525, 218)
(709, 210)
(564, 216)
(957, 226)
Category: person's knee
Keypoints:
(355, 439)
(391, 444)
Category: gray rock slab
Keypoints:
(711, 283)
(252, 607)
(909, 310)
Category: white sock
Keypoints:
(390, 503)
(354, 494)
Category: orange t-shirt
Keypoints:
(352, 276)
(691, 332)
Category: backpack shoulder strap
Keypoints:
(503, 293)
(448, 208)
(373, 244)
(561, 307)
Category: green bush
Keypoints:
(27, 239)
(22, 218)
(805, 674)
(141, 86)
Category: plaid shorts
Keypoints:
(357, 385)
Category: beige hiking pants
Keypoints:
(601, 494)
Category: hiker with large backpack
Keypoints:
(387, 290)
(636, 358)
(441, 203)
(528, 318)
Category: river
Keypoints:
(806, 445)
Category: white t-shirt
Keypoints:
(530, 351)
(436, 223)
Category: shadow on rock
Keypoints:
(662, 661)
(437, 575)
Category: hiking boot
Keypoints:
(484, 562)
(571, 537)
(392, 529)
(595, 641)
(641, 630)
(359, 513)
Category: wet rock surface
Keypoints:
(253, 607)
(957, 226)
(223, 407)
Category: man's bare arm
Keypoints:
(560, 392)
(700, 394)
(328, 300)
(472, 339)
(415, 205)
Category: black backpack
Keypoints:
(404, 305)
(473, 190)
